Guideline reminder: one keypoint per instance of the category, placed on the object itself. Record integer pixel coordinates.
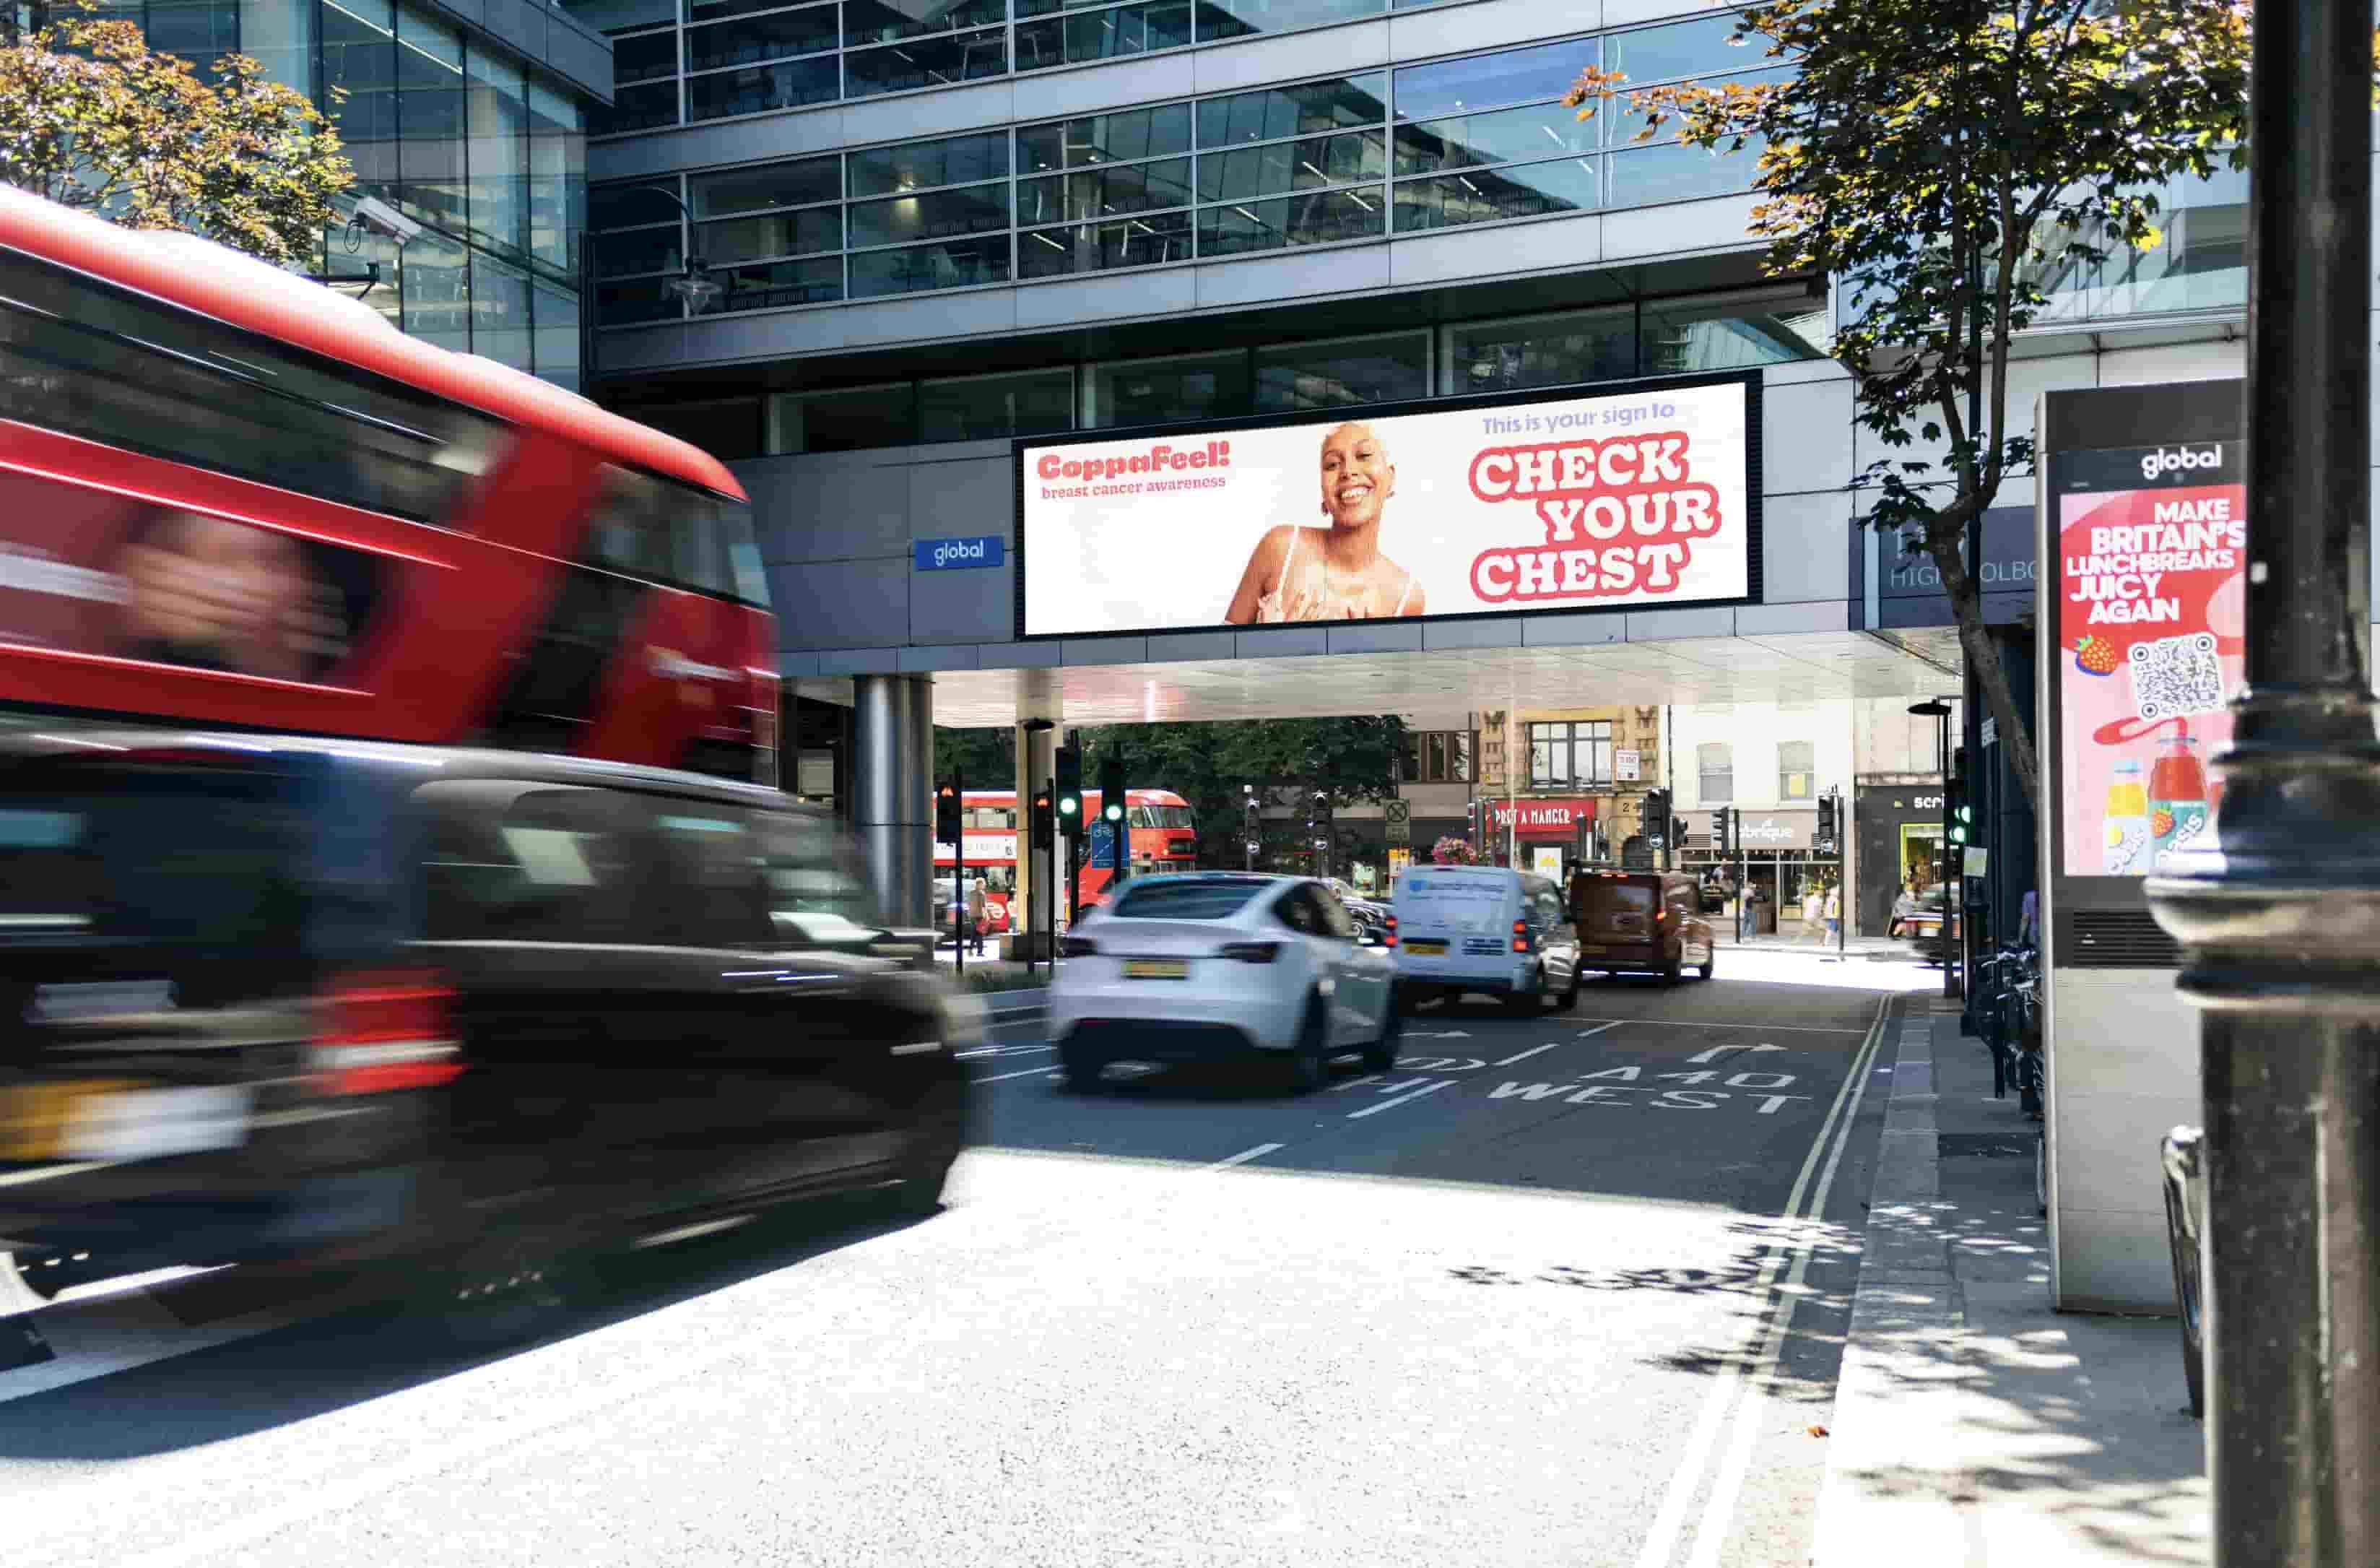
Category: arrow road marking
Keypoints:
(1391, 1104)
(1715, 1052)
(1551, 1044)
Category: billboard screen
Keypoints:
(2151, 556)
(1640, 496)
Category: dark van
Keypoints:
(1645, 922)
(268, 997)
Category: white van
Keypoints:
(1484, 928)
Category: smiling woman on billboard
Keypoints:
(1335, 573)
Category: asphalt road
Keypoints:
(1568, 1289)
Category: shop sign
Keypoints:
(1542, 818)
(1625, 764)
(1778, 830)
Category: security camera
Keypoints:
(386, 221)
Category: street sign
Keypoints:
(1626, 764)
(1400, 830)
(1398, 810)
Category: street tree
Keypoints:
(96, 120)
(1941, 161)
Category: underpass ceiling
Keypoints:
(1800, 667)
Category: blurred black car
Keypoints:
(1370, 914)
(1919, 921)
(271, 998)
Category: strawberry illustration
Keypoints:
(2161, 822)
(2094, 655)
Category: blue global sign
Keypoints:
(960, 555)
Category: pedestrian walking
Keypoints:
(1834, 910)
(975, 909)
(1576, 898)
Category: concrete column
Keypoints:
(892, 790)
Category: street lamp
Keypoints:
(695, 282)
(1939, 710)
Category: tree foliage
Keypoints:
(92, 118)
(1941, 161)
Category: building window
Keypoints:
(1567, 755)
(1437, 757)
(1715, 763)
(1142, 392)
(1796, 771)
(1391, 368)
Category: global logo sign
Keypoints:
(2179, 459)
(972, 554)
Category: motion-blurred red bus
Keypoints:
(232, 497)
(1159, 832)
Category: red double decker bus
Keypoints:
(1161, 836)
(230, 496)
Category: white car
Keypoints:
(1222, 967)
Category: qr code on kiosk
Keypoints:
(2177, 675)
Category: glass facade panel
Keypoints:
(554, 317)
(776, 184)
(501, 325)
(640, 251)
(1526, 191)
(1316, 219)
(1510, 356)
(850, 418)
(889, 21)
(727, 427)
(925, 62)
(199, 31)
(644, 58)
(1090, 248)
(498, 110)
(1641, 175)
(1680, 49)
(285, 37)
(1390, 368)
(1733, 334)
(1340, 103)
(1140, 392)
(780, 233)
(1504, 136)
(750, 91)
(1488, 81)
(1103, 35)
(940, 214)
(360, 85)
(770, 37)
(778, 283)
(1237, 18)
(431, 117)
(643, 299)
(1238, 172)
(558, 180)
(635, 108)
(960, 264)
(1130, 188)
(920, 165)
(437, 287)
(985, 407)
(1101, 138)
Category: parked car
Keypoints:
(1222, 967)
(1369, 913)
(1645, 922)
(264, 996)
(1484, 928)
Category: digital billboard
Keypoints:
(1645, 495)
(2151, 559)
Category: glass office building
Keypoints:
(925, 222)
(471, 120)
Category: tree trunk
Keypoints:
(1975, 643)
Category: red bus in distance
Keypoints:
(232, 497)
(1157, 822)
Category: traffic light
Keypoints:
(1111, 787)
(1044, 820)
(1656, 817)
(947, 826)
(1955, 812)
(1723, 833)
(1069, 779)
(1826, 824)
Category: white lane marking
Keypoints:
(1661, 1541)
(1551, 1044)
(1351, 1083)
(1764, 1028)
(98, 1337)
(1001, 1051)
(1722, 1049)
(1243, 1155)
(1711, 1533)
(1028, 1072)
(1393, 1104)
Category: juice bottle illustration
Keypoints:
(2128, 823)
(2177, 797)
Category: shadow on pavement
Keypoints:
(363, 1344)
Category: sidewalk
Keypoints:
(1792, 941)
(1973, 1425)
